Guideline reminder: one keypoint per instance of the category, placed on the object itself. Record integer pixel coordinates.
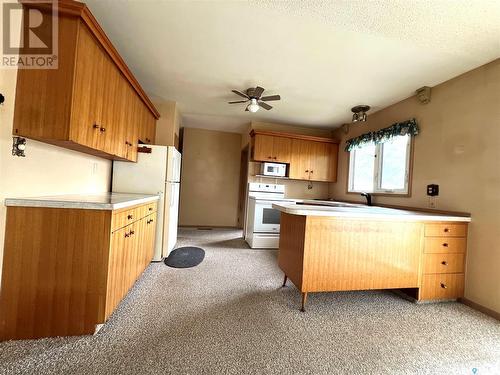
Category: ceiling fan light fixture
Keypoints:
(359, 113)
(253, 106)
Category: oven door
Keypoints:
(267, 218)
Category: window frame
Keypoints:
(377, 190)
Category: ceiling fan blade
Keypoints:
(238, 101)
(257, 92)
(265, 105)
(270, 97)
(240, 94)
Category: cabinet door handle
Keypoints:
(127, 235)
(130, 217)
(132, 232)
(444, 263)
(445, 244)
(311, 172)
(307, 170)
(274, 157)
(446, 230)
(95, 126)
(150, 208)
(102, 130)
(444, 286)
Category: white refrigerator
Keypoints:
(159, 173)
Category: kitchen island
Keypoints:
(334, 246)
(69, 260)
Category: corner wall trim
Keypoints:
(481, 308)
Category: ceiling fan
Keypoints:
(254, 96)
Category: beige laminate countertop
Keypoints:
(340, 209)
(103, 201)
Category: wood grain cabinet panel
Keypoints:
(444, 263)
(441, 245)
(299, 160)
(84, 104)
(442, 286)
(446, 230)
(263, 148)
(66, 270)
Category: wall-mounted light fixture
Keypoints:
(18, 146)
(359, 113)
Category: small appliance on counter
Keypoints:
(158, 173)
(273, 169)
(263, 221)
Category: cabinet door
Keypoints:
(132, 132)
(112, 106)
(281, 149)
(116, 269)
(263, 147)
(88, 91)
(319, 161)
(120, 132)
(151, 126)
(150, 238)
(300, 159)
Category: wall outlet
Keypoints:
(433, 202)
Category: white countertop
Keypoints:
(103, 201)
(340, 209)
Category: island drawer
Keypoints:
(444, 263)
(445, 245)
(445, 230)
(442, 286)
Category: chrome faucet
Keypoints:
(368, 197)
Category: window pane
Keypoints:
(393, 164)
(363, 168)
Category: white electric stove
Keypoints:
(263, 221)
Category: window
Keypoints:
(381, 168)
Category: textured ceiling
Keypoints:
(323, 57)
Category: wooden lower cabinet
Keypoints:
(323, 254)
(445, 248)
(66, 270)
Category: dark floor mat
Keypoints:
(185, 257)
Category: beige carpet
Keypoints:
(230, 316)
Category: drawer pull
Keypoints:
(446, 230)
(445, 244)
(130, 217)
(444, 286)
(444, 263)
(150, 208)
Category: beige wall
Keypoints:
(294, 189)
(459, 149)
(46, 170)
(210, 178)
(167, 126)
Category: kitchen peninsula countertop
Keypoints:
(103, 201)
(341, 209)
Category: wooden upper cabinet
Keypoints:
(300, 160)
(272, 149)
(309, 158)
(91, 103)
